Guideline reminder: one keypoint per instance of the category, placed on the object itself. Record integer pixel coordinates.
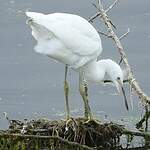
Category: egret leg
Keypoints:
(90, 116)
(84, 93)
(87, 101)
(66, 91)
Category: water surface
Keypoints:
(31, 85)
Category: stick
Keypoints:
(75, 144)
(136, 133)
(125, 34)
(104, 34)
(110, 81)
(140, 123)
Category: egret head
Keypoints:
(118, 82)
(116, 74)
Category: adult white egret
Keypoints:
(73, 41)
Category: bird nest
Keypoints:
(75, 134)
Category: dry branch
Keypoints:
(136, 133)
(144, 118)
(132, 81)
(91, 19)
(104, 34)
(125, 34)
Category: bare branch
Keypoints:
(112, 24)
(91, 19)
(125, 34)
(144, 118)
(134, 84)
(111, 6)
(95, 5)
(104, 34)
(136, 133)
(110, 81)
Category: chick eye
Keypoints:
(118, 78)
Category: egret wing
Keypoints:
(73, 31)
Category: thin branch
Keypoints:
(134, 84)
(95, 5)
(112, 5)
(146, 120)
(125, 34)
(104, 34)
(91, 19)
(140, 123)
(55, 138)
(110, 81)
(136, 133)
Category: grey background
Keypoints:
(31, 85)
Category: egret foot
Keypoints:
(92, 120)
(68, 121)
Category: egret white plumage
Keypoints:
(72, 40)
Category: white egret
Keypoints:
(72, 40)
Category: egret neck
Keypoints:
(95, 72)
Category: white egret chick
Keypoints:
(72, 40)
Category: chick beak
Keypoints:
(124, 95)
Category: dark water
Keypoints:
(31, 85)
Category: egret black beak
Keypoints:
(123, 92)
(125, 98)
